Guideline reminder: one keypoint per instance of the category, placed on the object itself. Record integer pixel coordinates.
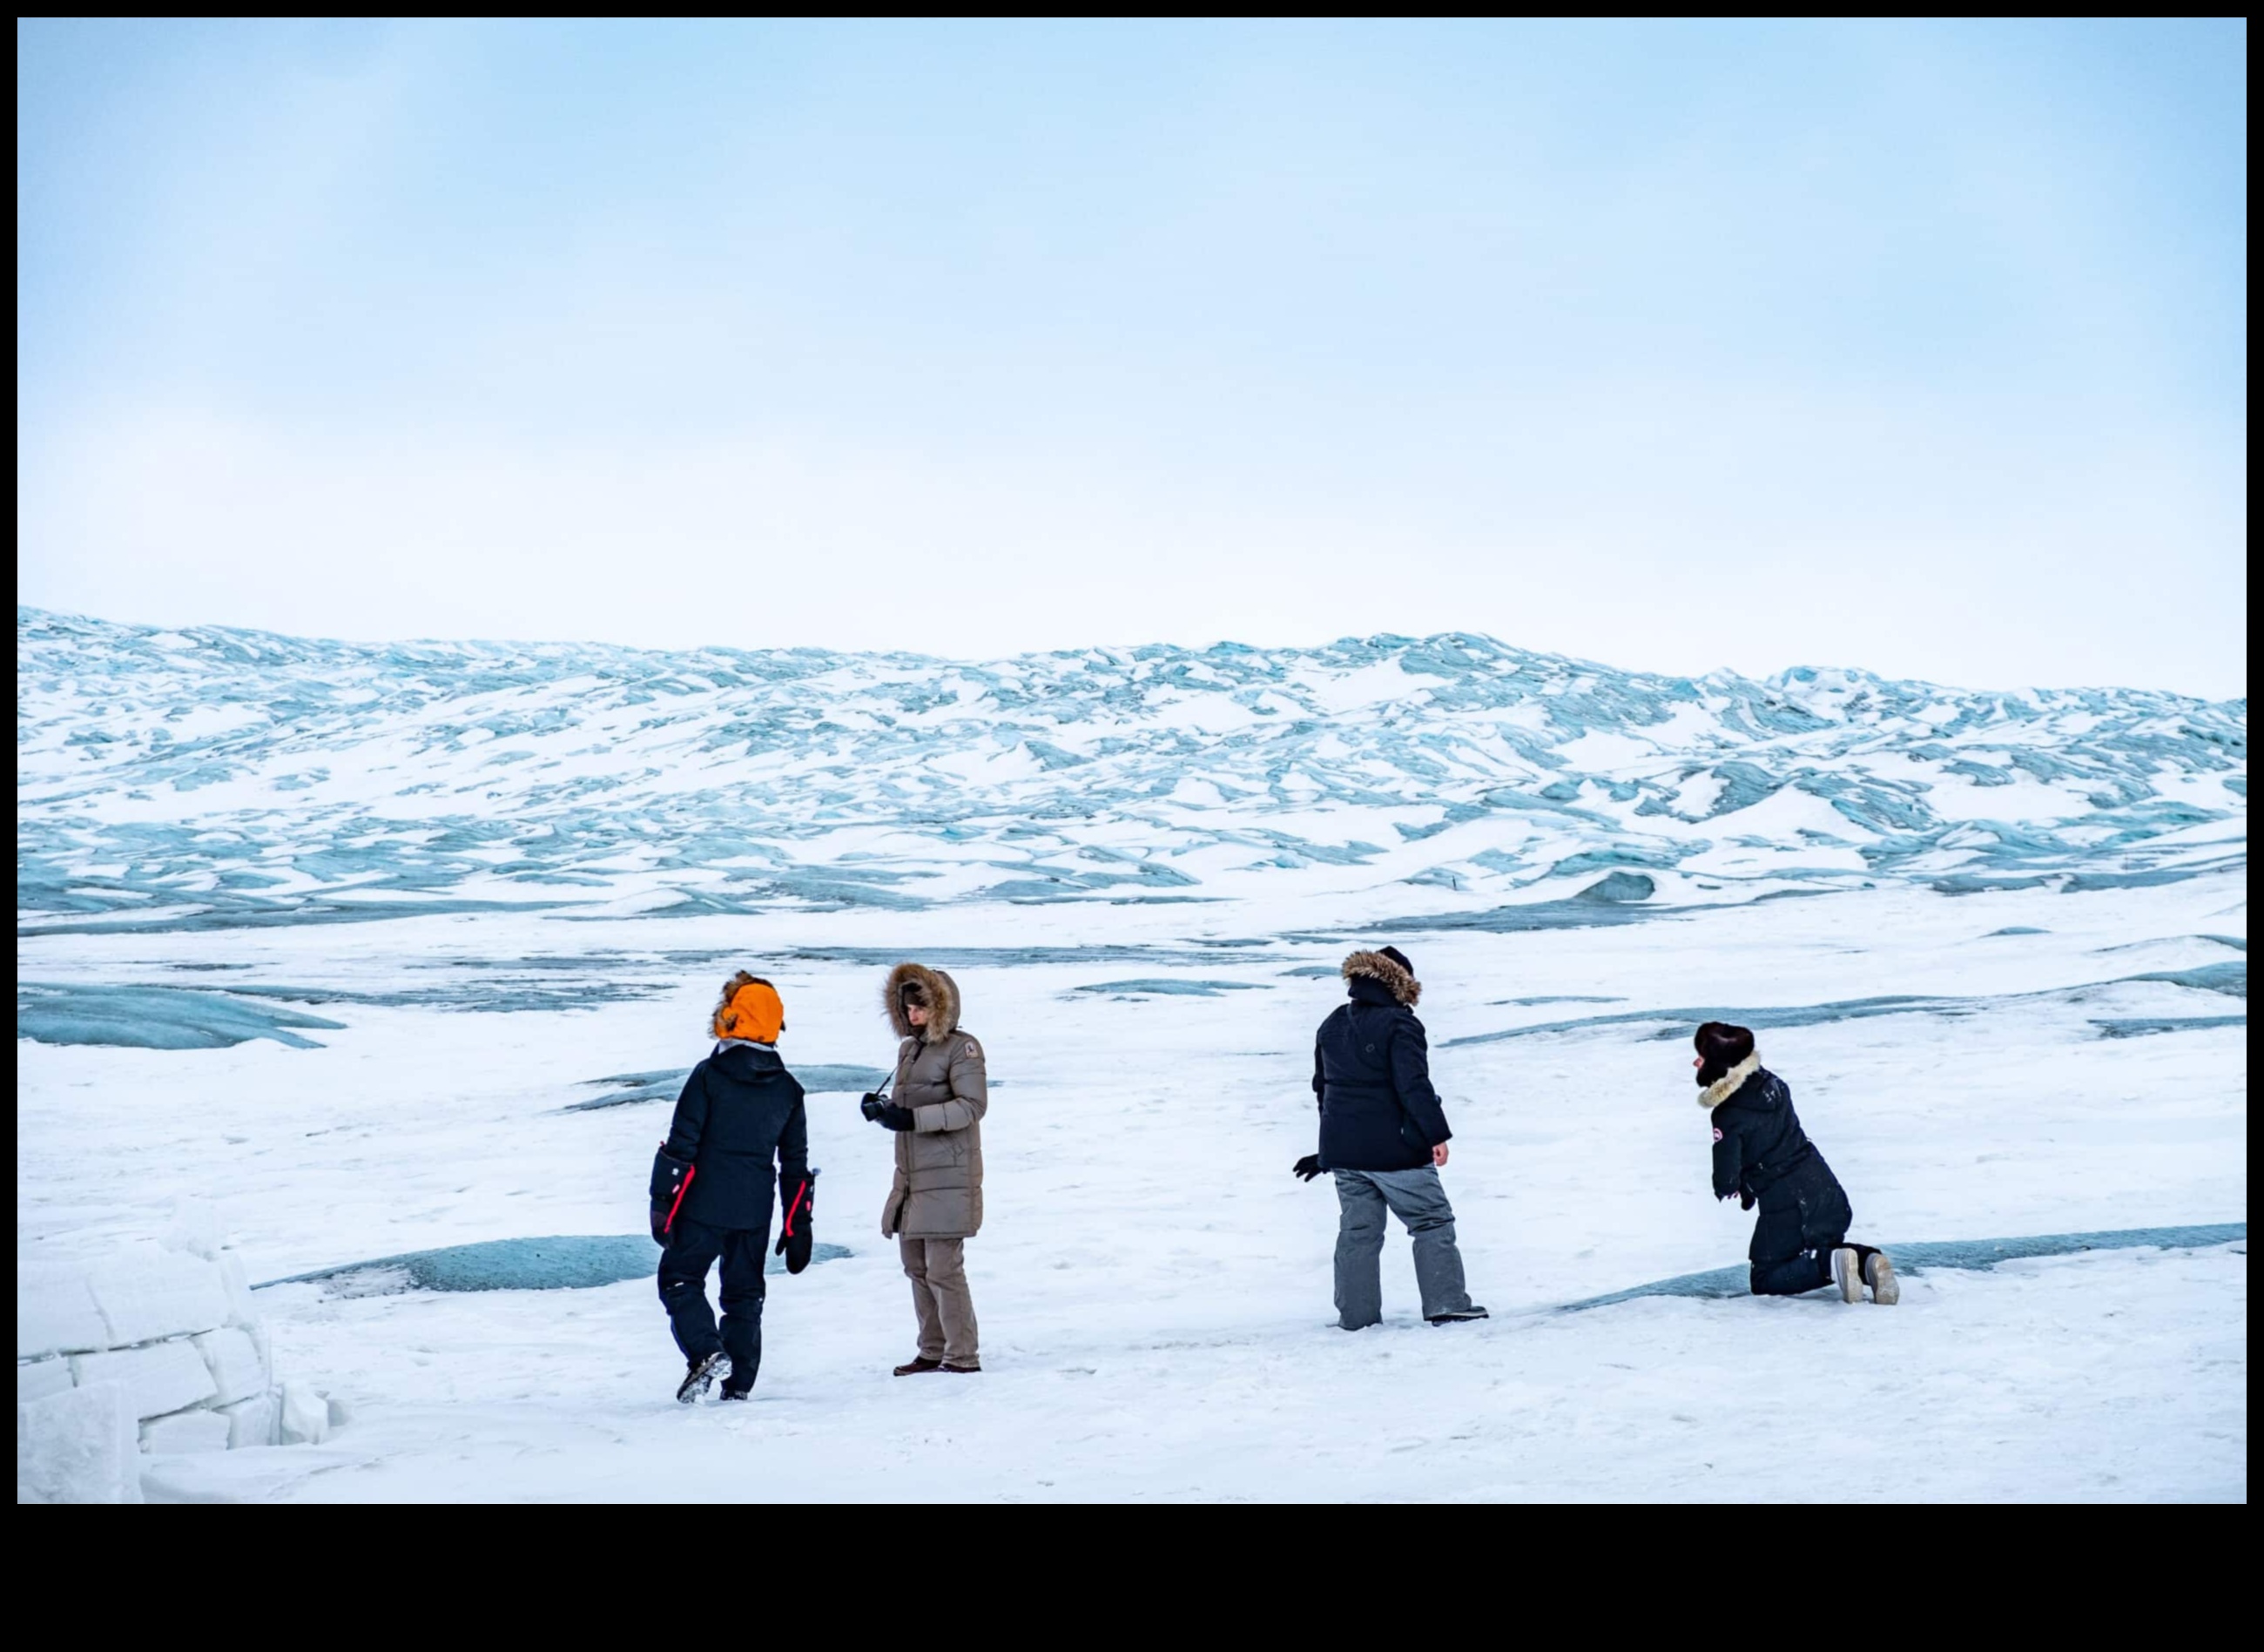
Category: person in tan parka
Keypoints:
(939, 1096)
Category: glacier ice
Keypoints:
(351, 782)
(564, 1262)
(1956, 1253)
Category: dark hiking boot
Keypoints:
(1879, 1274)
(1847, 1273)
(920, 1366)
(741, 1395)
(972, 1368)
(1458, 1316)
(698, 1377)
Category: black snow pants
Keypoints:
(1804, 1219)
(692, 1248)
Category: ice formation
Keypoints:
(213, 778)
(155, 1344)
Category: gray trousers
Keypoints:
(1418, 1200)
(937, 1271)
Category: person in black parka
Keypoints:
(1761, 1156)
(1384, 1137)
(739, 1111)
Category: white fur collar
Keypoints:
(1730, 1083)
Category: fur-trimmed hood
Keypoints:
(1730, 1083)
(1374, 966)
(942, 994)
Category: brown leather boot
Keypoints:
(971, 1368)
(921, 1365)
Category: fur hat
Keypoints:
(1388, 970)
(932, 990)
(1720, 1046)
(750, 1008)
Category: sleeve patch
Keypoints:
(1718, 1133)
(973, 1050)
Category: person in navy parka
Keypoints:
(1761, 1156)
(1383, 1137)
(739, 1111)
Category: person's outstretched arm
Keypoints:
(970, 1091)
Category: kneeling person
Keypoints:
(1761, 1156)
(739, 1111)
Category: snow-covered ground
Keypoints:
(1154, 1287)
(327, 962)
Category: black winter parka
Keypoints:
(1758, 1145)
(740, 1111)
(1372, 1077)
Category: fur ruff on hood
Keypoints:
(1730, 1083)
(942, 995)
(1374, 966)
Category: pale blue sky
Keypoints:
(1918, 347)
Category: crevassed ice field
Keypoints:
(390, 948)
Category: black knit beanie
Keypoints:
(1721, 1046)
(1398, 957)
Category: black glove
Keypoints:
(887, 1113)
(800, 1197)
(671, 1177)
(1309, 1167)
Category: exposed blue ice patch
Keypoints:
(1166, 987)
(2229, 978)
(154, 1018)
(632, 1088)
(2142, 1027)
(1578, 913)
(568, 1261)
(629, 1089)
(1956, 1253)
(1618, 887)
(1760, 1019)
(826, 1077)
(2016, 928)
(1311, 971)
(1555, 997)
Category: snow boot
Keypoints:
(1879, 1274)
(1847, 1273)
(972, 1368)
(698, 1377)
(920, 1366)
(1458, 1316)
(741, 1395)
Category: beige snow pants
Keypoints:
(937, 1271)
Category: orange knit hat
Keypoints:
(751, 1009)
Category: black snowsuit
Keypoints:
(1372, 1077)
(1763, 1157)
(739, 1110)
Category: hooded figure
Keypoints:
(740, 1111)
(935, 1106)
(1762, 1156)
(1384, 1134)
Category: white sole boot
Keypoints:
(1885, 1289)
(1848, 1274)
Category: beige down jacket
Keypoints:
(937, 1190)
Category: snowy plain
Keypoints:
(2070, 1054)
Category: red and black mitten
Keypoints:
(797, 1194)
(671, 1179)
